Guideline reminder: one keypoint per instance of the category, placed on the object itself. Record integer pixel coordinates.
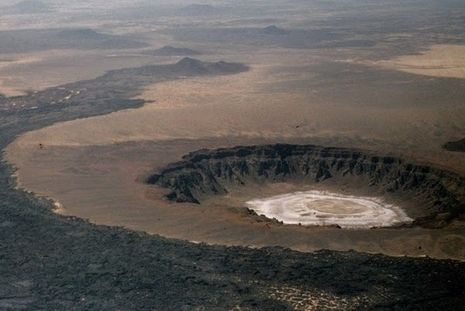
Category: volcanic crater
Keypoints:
(392, 191)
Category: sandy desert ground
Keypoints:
(90, 111)
(93, 167)
(345, 96)
(438, 61)
(272, 103)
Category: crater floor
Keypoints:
(319, 208)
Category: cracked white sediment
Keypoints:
(320, 208)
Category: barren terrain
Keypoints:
(438, 61)
(95, 99)
(115, 150)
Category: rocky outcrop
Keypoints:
(192, 66)
(274, 30)
(457, 146)
(211, 172)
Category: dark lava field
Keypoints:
(353, 95)
(51, 262)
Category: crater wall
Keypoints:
(430, 195)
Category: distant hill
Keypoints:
(274, 30)
(195, 66)
(81, 34)
(27, 7)
(458, 146)
(172, 51)
(268, 36)
(29, 40)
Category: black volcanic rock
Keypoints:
(458, 146)
(113, 89)
(196, 66)
(172, 51)
(192, 64)
(205, 173)
(55, 262)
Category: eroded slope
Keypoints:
(431, 195)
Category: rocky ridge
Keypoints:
(436, 193)
(456, 146)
